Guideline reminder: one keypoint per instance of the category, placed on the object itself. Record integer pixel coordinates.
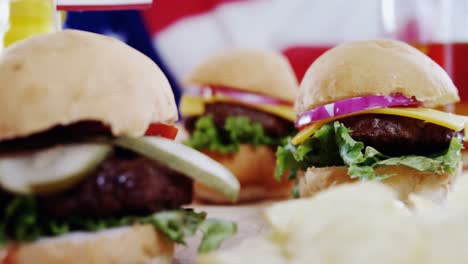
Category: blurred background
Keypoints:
(179, 34)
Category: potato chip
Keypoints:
(360, 223)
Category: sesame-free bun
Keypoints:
(374, 67)
(405, 181)
(136, 244)
(258, 71)
(70, 76)
(254, 167)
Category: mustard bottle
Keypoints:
(27, 18)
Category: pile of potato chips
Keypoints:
(359, 223)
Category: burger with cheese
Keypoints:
(88, 169)
(237, 109)
(365, 113)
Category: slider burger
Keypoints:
(237, 110)
(365, 113)
(88, 169)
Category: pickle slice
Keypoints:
(185, 160)
(52, 169)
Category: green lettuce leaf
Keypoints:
(355, 155)
(319, 150)
(332, 145)
(176, 224)
(237, 130)
(440, 163)
(285, 161)
(214, 233)
(22, 221)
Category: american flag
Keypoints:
(179, 34)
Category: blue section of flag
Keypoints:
(127, 26)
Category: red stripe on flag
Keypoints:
(301, 57)
(165, 12)
(102, 7)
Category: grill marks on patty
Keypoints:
(398, 135)
(273, 126)
(124, 184)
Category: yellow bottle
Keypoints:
(27, 18)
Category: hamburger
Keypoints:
(365, 112)
(238, 109)
(88, 169)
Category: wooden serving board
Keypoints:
(249, 221)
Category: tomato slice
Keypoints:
(162, 130)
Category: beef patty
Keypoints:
(60, 134)
(273, 126)
(124, 184)
(397, 135)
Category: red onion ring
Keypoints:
(351, 105)
(246, 97)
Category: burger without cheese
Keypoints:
(238, 110)
(364, 113)
(87, 172)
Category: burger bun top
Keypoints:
(374, 67)
(71, 76)
(257, 71)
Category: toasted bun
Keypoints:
(374, 67)
(405, 181)
(257, 71)
(137, 244)
(254, 167)
(70, 76)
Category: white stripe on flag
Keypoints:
(189, 41)
(274, 25)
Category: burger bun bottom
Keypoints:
(254, 167)
(405, 181)
(135, 244)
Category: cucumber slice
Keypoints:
(50, 170)
(185, 160)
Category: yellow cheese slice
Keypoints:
(194, 105)
(448, 120)
(191, 105)
(308, 131)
